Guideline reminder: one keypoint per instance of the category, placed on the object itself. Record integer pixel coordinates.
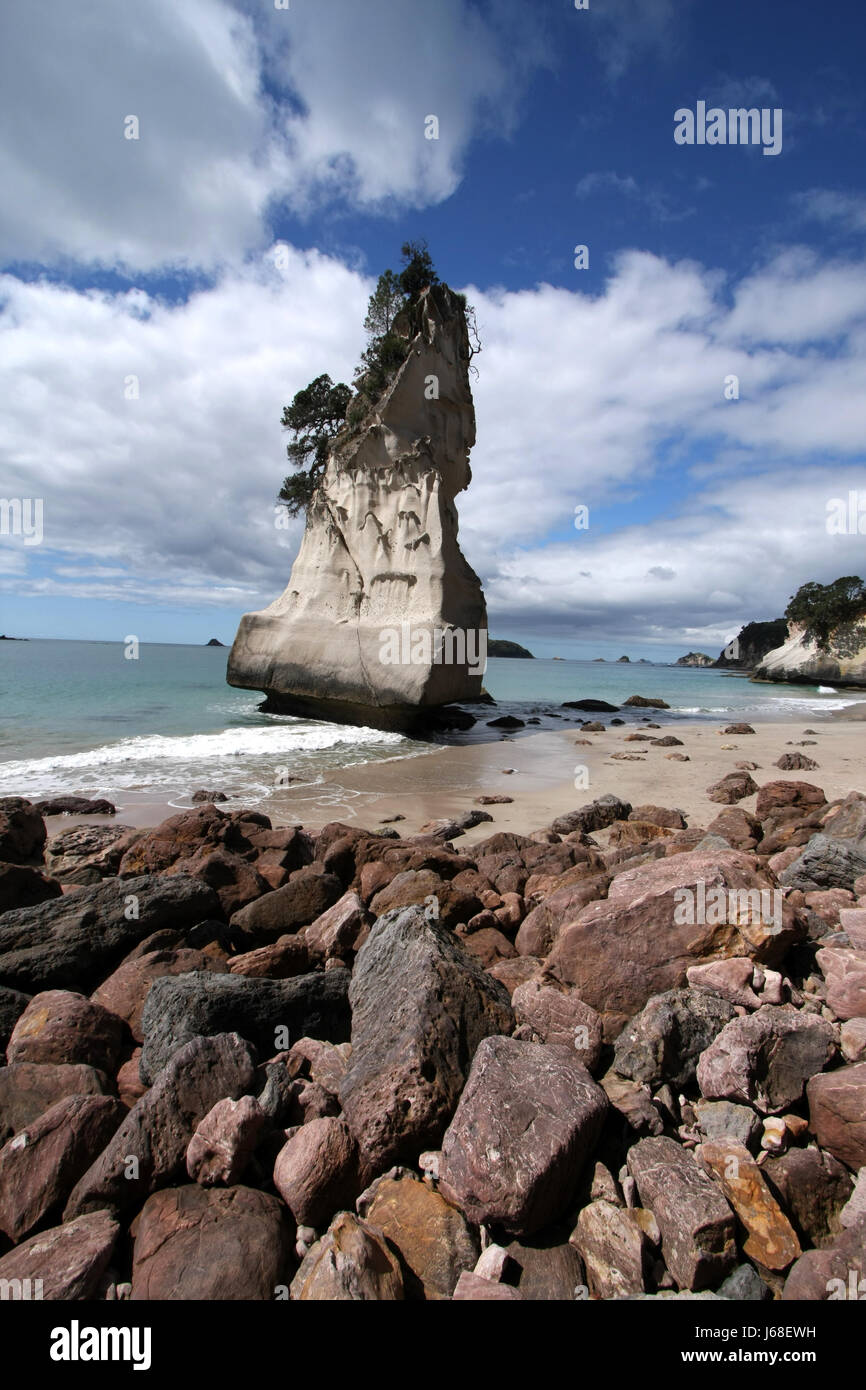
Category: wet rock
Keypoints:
(215, 1244)
(68, 1261)
(59, 1026)
(351, 1263)
(148, 1150)
(316, 1172)
(837, 1113)
(185, 1006)
(527, 1121)
(73, 942)
(772, 1241)
(40, 1166)
(696, 1223)
(664, 1041)
(766, 1058)
(224, 1141)
(420, 1007)
(435, 1241)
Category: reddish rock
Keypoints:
(40, 1166)
(616, 1253)
(351, 1263)
(66, 1263)
(541, 928)
(827, 903)
(488, 946)
(59, 1026)
(89, 853)
(188, 834)
(22, 886)
(557, 1015)
(812, 1187)
(659, 815)
(732, 979)
(512, 973)
(546, 1272)
(414, 887)
(837, 1273)
(853, 1034)
(281, 960)
(224, 1142)
(124, 993)
(845, 973)
(285, 910)
(837, 1113)
(420, 1007)
(336, 931)
(28, 1089)
(130, 1087)
(741, 830)
(637, 832)
(696, 1223)
(775, 796)
(852, 920)
(435, 1241)
(476, 1289)
(214, 1244)
(732, 788)
(796, 762)
(766, 1058)
(316, 1172)
(640, 941)
(323, 1062)
(22, 831)
(527, 1121)
(157, 1131)
(233, 878)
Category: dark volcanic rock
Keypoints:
(73, 942)
(420, 1007)
(181, 1007)
(299, 902)
(149, 1149)
(696, 1223)
(210, 1244)
(22, 831)
(527, 1121)
(23, 886)
(665, 1040)
(75, 806)
(596, 815)
(595, 706)
(68, 1260)
(825, 863)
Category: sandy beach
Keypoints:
(549, 773)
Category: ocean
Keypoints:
(78, 717)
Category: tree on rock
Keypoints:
(822, 607)
(315, 416)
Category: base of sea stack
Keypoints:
(420, 720)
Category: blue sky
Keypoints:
(152, 260)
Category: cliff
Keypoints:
(383, 620)
(801, 661)
(752, 644)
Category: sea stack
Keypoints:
(383, 621)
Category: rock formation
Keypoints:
(800, 659)
(383, 620)
(751, 645)
(694, 659)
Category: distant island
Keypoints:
(4, 638)
(498, 647)
(695, 659)
(214, 642)
(623, 658)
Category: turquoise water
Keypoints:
(80, 717)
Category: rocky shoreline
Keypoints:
(623, 1056)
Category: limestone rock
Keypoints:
(527, 1122)
(380, 550)
(799, 659)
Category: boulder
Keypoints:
(40, 1166)
(766, 1058)
(796, 762)
(546, 1271)
(181, 1007)
(733, 979)
(28, 1089)
(12, 1005)
(595, 815)
(67, 1263)
(741, 830)
(474, 1288)
(285, 910)
(696, 1223)
(659, 815)
(666, 1038)
(190, 834)
(772, 1241)
(646, 702)
(23, 886)
(835, 1273)
(22, 831)
(720, 1119)
(282, 959)
(776, 796)
(732, 788)
(224, 1142)
(825, 863)
(556, 1015)
(316, 1172)
(59, 1026)
(420, 1007)
(125, 991)
(210, 1244)
(812, 1187)
(351, 1263)
(845, 973)
(89, 853)
(73, 942)
(527, 1121)
(615, 1250)
(149, 1149)
(837, 1113)
(336, 931)
(435, 1242)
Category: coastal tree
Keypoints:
(822, 607)
(315, 416)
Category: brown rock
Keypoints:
(615, 1251)
(435, 1242)
(40, 1166)
(187, 835)
(772, 1242)
(837, 1112)
(124, 993)
(528, 1119)
(214, 1244)
(284, 911)
(224, 1142)
(812, 1187)
(659, 815)
(741, 830)
(130, 1087)
(845, 973)
(512, 973)
(558, 1015)
(352, 1262)
(836, 1273)
(732, 979)
(281, 960)
(23, 886)
(738, 729)
(732, 788)
(316, 1172)
(766, 1058)
(637, 832)
(853, 1034)
(775, 796)
(66, 1263)
(547, 1272)
(157, 1131)
(696, 1223)
(22, 831)
(488, 946)
(28, 1089)
(476, 1289)
(323, 1062)
(796, 762)
(59, 1026)
(541, 928)
(633, 1101)
(336, 931)
(233, 878)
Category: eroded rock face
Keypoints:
(766, 1058)
(800, 659)
(380, 549)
